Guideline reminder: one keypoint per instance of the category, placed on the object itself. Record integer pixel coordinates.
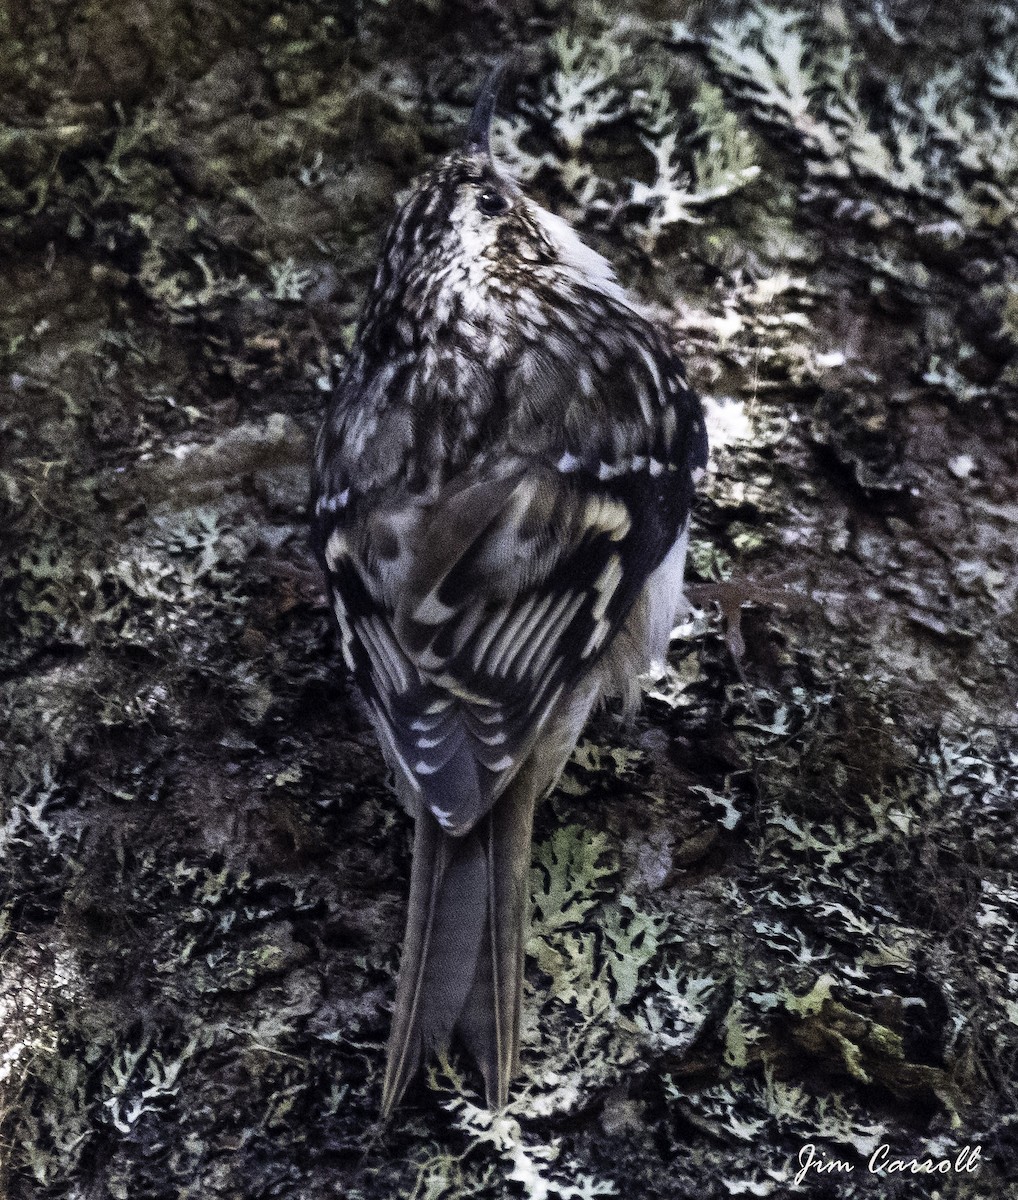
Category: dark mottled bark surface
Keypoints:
(780, 908)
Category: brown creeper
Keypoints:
(503, 485)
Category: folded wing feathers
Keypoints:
(483, 673)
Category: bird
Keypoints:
(502, 490)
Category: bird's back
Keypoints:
(503, 486)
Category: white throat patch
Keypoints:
(586, 265)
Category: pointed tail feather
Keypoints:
(490, 1023)
(445, 926)
(463, 956)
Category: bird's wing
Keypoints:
(466, 615)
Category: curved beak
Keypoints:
(479, 129)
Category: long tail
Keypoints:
(463, 955)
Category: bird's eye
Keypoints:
(491, 203)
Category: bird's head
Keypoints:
(467, 244)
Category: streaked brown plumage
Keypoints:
(503, 485)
